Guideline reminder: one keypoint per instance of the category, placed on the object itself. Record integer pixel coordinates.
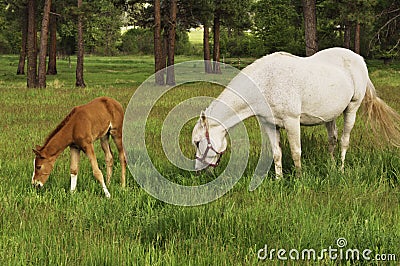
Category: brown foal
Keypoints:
(98, 119)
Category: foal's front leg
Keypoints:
(74, 167)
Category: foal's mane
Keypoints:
(59, 127)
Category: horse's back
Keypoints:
(316, 88)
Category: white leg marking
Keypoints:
(74, 179)
(108, 195)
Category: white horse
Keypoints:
(296, 91)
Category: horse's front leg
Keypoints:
(292, 126)
(74, 167)
(89, 150)
(332, 137)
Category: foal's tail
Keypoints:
(384, 120)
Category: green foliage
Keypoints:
(385, 42)
(10, 27)
(241, 45)
(140, 41)
(248, 27)
(137, 41)
(278, 25)
(102, 27)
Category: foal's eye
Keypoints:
(38, 167)
(197, 143)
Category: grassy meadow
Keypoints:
(55, 227)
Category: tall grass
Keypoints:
(55, 227)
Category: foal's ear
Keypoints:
(37, 151)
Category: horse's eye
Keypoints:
(197, 143)
(38, 167)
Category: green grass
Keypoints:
(54, 227)
(196, 36)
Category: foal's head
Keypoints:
(42, 168)
(210, 144)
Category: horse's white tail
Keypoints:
(384, 120)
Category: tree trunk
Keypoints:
(31, 43)
(216, 52)
(171, 43)
(164, 47)
(79, 64)
(310, 26)
(24, 37)
(357, 38)
(52, 66)
(158, 49)
(347, 35)
(206, 49)
(43, 44)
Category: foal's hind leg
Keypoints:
(117, 137)
(105, 145)
(332, 137)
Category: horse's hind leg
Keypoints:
(89, 150)
(349, 120)
(117, 137)
(105, 145)
(292, 126)
(332, 137)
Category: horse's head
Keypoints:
(42, 168)
(210, 143)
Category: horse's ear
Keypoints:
(203, 118)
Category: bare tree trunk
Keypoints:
(310, 26)
(43, 44)
(31, 43)
(24, 33)
(347, 35)
(79, 64)
(52, 66)
(164, 47)
(216, 48)
(158, 49)
(171, 43)
(357, 38)
(206, 49)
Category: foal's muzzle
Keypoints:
(37, 184)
